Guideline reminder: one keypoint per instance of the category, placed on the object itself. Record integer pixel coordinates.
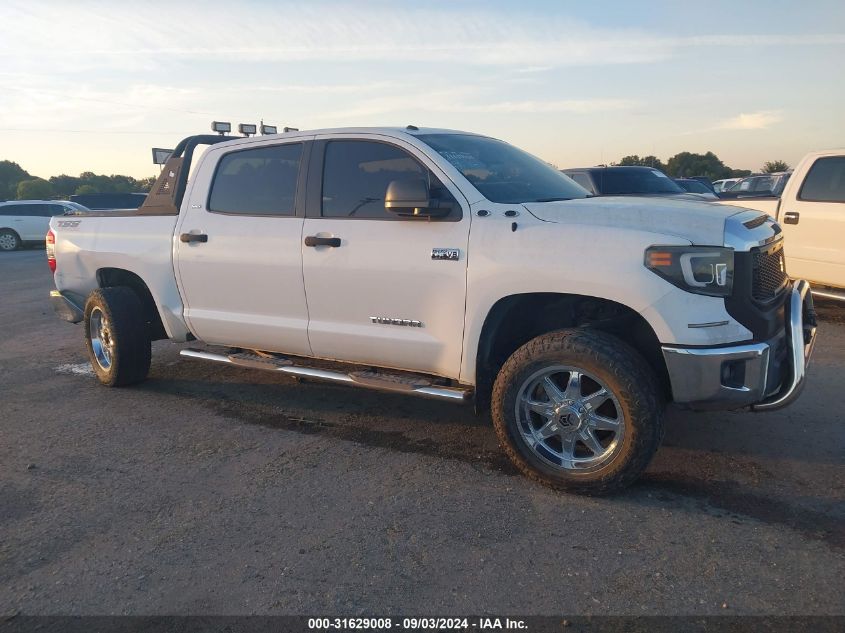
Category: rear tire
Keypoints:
(9, 240)
(578, 410)
(117, 336)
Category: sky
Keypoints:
(93, 86)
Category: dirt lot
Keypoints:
(216, 490)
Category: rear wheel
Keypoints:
(9, 240)
(117, 336)
(579, 410)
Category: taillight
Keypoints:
(50, 239)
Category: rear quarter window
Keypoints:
(825, 182)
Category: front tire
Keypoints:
(9, 240)
(117, 336)
(578, 410)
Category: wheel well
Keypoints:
(110, 277)
(515, 320)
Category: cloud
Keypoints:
(535, 107)
(106, 35)
(760, 120)
(467, 101)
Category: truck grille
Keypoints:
(769, 277)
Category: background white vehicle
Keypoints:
(724, 184)
(27, 221)
(452, 266)
(811, 211)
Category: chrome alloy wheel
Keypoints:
(570, 419)
(102, 342)
(8, 242)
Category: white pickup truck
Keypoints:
(452, 266)
(811, 210)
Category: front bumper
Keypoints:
(66, 306)
(765, 376)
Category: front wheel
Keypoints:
(578, 410)
(117, 336)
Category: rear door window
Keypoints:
(260, 181)
(826, 181)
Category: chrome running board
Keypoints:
(829, 293)
(371, 379)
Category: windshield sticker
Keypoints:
(463, 161)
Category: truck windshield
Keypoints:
(501, 172)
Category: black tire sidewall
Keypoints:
(130, 360)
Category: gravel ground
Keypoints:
(217, 490)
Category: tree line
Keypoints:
(17, 184)
(688, 164)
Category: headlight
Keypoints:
(704, 270)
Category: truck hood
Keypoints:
(698, 222)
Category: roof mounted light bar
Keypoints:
(221, 127)
(247, 129)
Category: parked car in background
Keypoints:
(723, 185)
(758, 185)
(811, 211)
(105, 201)
(628, 180)
(695, 186)
(25, 222)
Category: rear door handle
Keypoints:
(193, 237)
(791, 217)
(313, 240)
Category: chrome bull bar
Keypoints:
(801, 339)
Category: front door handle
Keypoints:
(193, 237)
(791, 217)
(313, 240)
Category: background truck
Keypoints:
(452, 266)
(811, 211)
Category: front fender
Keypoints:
(603, 262)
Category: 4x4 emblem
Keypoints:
(451, 254)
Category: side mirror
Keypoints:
(410, 197)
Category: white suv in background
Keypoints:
(27, 221)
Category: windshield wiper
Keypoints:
(551, 199)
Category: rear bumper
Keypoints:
(765, 376)
(66, 306)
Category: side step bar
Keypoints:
(829, 293)
(382, 380)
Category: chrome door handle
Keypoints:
(791, 217)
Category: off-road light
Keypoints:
(269, 129)
(161, 155)
(221, 127)
(247, 128)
